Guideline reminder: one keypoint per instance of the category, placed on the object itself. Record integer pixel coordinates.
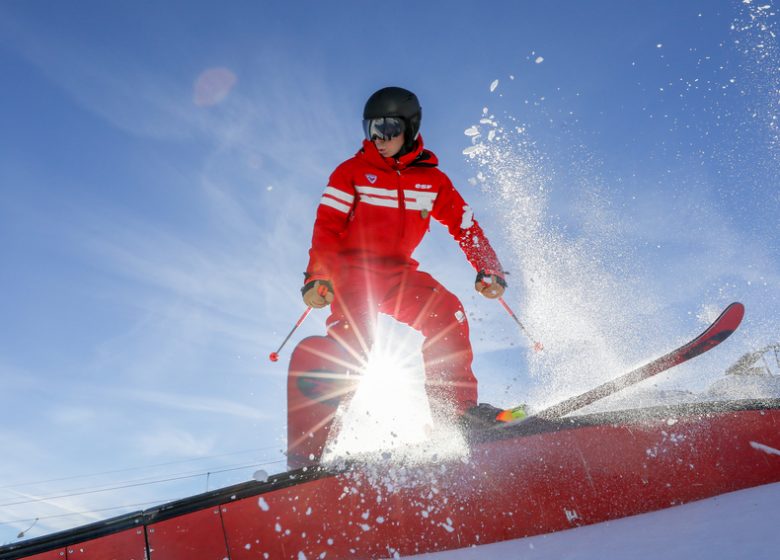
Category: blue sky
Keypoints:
(154, 233)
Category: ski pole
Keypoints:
(537, 345)
(323, 290)
(274, 357)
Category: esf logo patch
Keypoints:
(423, 187)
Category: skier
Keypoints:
(373, 214)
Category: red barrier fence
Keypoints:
(522, 480)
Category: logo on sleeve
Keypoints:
(371, 178)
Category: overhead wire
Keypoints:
(137, 483)
(101, 510)
(137, 468)
(154, 478)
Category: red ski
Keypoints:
(717, 332)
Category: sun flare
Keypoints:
(389, 411)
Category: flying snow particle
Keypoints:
(764, 448)
(448, 528)
(571, 515)
(212, 86)
(471, 131)
(708, 314)
(539, 59)
(261, 475)
(468, 218)
(493, 86)
(263, 504)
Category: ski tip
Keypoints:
(735, 313)
(738, 305)
(720, 329)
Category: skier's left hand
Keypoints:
(317, 293)
(492, 286)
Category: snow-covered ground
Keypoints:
(739, 525)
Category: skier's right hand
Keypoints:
(317, 293)
(491, 285)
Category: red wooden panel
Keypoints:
(510, 489)
(196, 535)
(281, 524)
(125, 545)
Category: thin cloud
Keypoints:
(176, 443)
(195, 404)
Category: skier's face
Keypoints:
(389, 148)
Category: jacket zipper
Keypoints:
(401, 206)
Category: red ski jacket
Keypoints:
(376, 210)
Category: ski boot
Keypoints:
(479, 417)
(513, 414)
(485, 416)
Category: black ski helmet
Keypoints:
(396, 102)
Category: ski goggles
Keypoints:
(383, 128)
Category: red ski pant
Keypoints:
(412, 297)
